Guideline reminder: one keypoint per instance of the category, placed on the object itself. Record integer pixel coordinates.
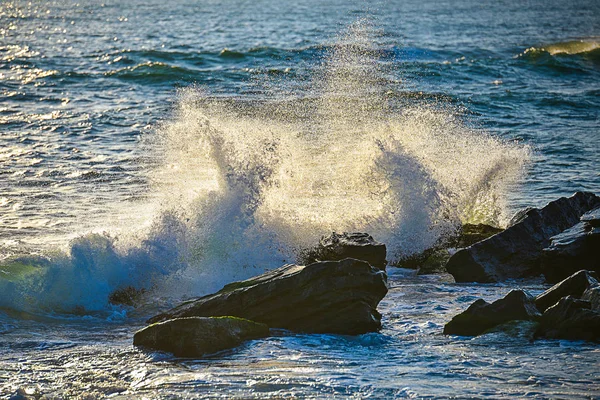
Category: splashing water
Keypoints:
(243, 186)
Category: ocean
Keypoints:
(175, 147)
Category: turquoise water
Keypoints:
(179, 146)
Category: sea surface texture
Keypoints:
(172, 147)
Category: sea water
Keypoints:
(177, 147)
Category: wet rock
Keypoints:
(571, 319)
(324, 297)
(592, 294)
(128, 296)
(335, 247)
(434, 260)
(481, 315)
(575, 248)
(575, 285)
(516, 252)
(196, 337)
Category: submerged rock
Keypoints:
(516, 252)
(573, 249)
(335, 247)
(481, 315)
(324, 297)
(571, 319)
(575, 286)
(196, 336)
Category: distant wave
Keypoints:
(569, 48)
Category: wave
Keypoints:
(586, 49)
(242, 186)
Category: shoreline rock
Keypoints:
(197, 337)
(575, 248)
(575, 285)
(517, 251)
(324, 297)
(481, 316)
(336, 247)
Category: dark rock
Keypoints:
(575, 286)
(128, 296)
(195, 336)
(481, 315)
(573, 249)
(324, 297)
(434, 260)
(570, 319)
(335, 247)
(592, 294)
(516, 252)
(475, 233)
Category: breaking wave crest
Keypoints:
(243, 185)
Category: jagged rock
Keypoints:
(570, 319)
(324, 297)
(434, 260)
(335, 247)
(575, 248)
(575, 286)
(196, 336)
(592, 294)
(481, 315)
(516, 252)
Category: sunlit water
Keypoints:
(179, 147)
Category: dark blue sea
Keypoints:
(176, 146)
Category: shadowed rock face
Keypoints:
(571, 319)
(575, 286)
(335, 247)
(516, 252)
(575, 248)
(195, 336)
(481, 315)
(324, 297)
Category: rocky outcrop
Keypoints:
(571, 319)
(481, 315)
(196, 337)
(575, 286)
(573, 249)
(434, 260)
(335, 247)
(324, 297)
(516, 252)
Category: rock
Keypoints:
(592, 294)
(481, 315)
(573, 249)
(475, 233)
(575, 286)
(516, 252)
(570, 319)
(324, 297)
(335, 247)
(196, 336)
(434, 260)
(128, 296)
